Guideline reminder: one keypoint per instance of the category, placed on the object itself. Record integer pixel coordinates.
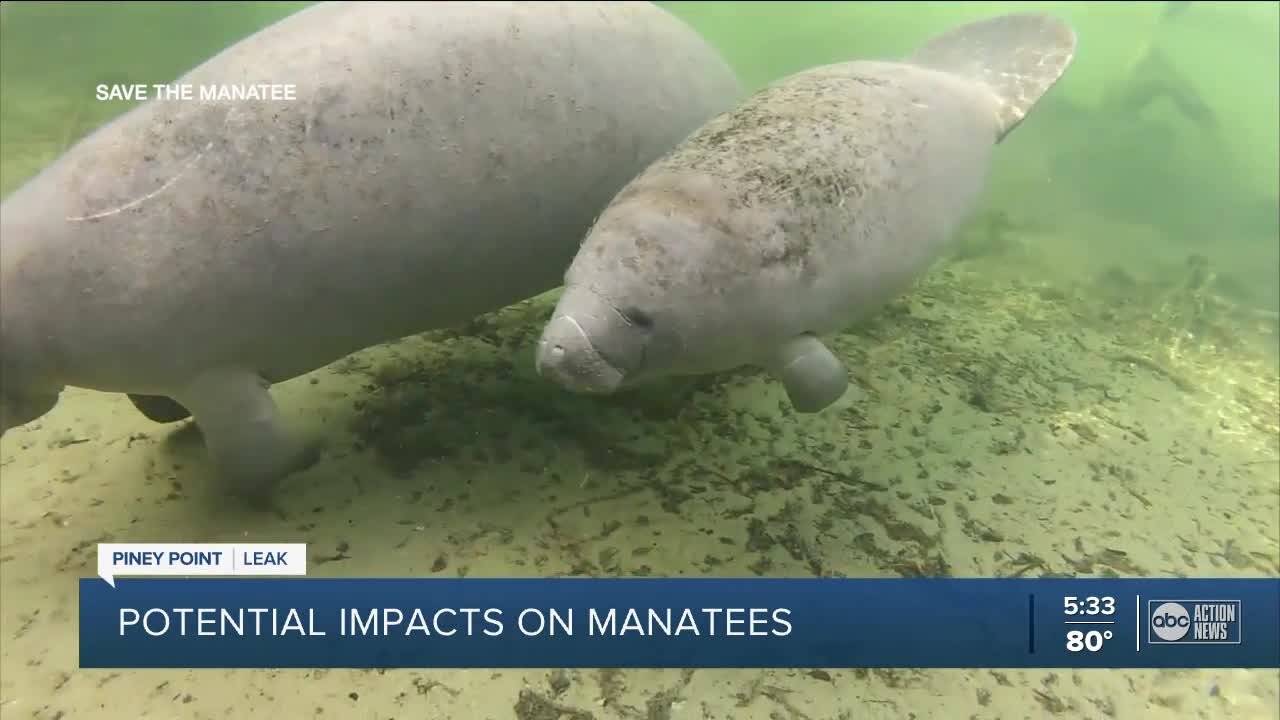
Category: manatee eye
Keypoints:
(636, 317)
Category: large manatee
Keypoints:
(805, 208)
(440, 160)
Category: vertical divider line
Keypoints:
(1137, 623)
(1031, 623)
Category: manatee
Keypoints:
(439, 160)
(794, 215)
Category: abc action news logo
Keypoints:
(1193, 622)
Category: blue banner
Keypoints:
(573, 622)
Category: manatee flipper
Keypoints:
(159, 408)
(243, 432)
(1018, 57)
(810, 373)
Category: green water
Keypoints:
(1095, 363)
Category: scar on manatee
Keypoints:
(134, 203)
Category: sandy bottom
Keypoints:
(997, 427)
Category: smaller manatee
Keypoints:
(794, 215)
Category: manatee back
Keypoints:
(846, 180)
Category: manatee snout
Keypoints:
(589, 346)
(567, 357)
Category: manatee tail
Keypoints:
(1018, 56)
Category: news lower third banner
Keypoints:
(299, 622)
